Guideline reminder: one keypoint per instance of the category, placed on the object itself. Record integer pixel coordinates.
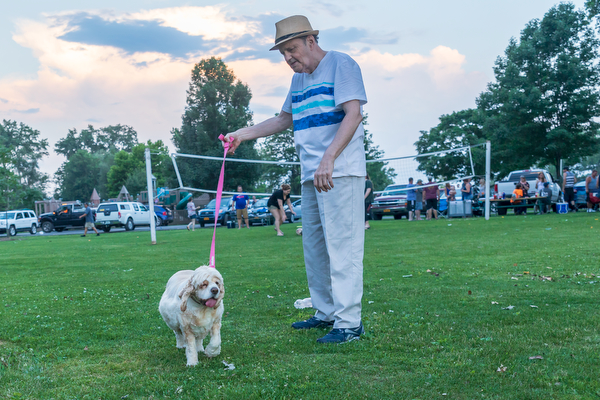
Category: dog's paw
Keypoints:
(191, 363)
(212, 351)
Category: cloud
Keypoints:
(93, 69)
(133, 36)
(29, 111)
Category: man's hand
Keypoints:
(233, 140)
(324, 175)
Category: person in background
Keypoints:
(450, 192)
(516, 199)
(275, 205)
(89, 220)
(240, 202)
(369, 196)
(546, 200)
(253, 201)
(419, 200)
(191, 210)
(467, 190)
(481, 194)
(411, 199)
(524, 185)
(539, 187)
(591, 187)
(568, 183)
(432, 195)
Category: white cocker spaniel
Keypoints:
(192, 305)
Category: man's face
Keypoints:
(296, 53)
(239, 189)
(594, 174)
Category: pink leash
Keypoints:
(218, 202)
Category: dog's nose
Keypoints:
(214, 290)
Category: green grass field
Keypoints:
(79, 318)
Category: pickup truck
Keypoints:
(507, 186)
(66, 216)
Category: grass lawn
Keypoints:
(79, 317)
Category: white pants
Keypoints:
(333, 236)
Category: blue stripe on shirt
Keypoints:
(316, 120)
(313, 92)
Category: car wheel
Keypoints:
(377, 217)
(292, 218)
(47, 226)
(33, 229)
(59, 229)
(129, 225)
(106, 229)
(159, 221)
(12, 231)
(225, 218)
(398, 216)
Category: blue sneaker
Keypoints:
(312, 322)
(342, 335)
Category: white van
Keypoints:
(18, 221)
(128, 214)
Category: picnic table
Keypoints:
(501, 206)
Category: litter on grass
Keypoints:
(228, 367)
(508, 308)
(303, 303)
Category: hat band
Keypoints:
(285, 37)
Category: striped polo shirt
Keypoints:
(315, 102)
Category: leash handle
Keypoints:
(218, 201)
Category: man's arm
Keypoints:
(266, 128)
(563, 182)
(324, 174)
(588, 180)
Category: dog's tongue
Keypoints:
(211, 303)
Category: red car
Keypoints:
(392, 201)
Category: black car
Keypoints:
(207, 215)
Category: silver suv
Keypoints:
(18, 221)
(122, 213)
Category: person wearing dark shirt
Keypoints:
(275, 205)
(89, 220)
(432, 194)
(240, 202)
(368, 199)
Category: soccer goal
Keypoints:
(200, 172)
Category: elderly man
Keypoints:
(325, 106)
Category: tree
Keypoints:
(544, 103)
(112, 138)
(100, 145)
(380, 174)
(216, 105)
(129, 168)
(459, 129)
(21, 150)
(280, 147)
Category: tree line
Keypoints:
(542, 107)
(109, 157)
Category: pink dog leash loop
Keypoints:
(218, 201)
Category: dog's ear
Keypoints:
(221, 293)
(185, 294)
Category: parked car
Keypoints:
(392, 201)
(18, 221)
(126, 214)
(165, 216)
(207, 214)
(66, 216)
(258, 213)
(297, 205)
(580, 197)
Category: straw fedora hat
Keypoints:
(292, 27)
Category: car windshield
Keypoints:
(261, 203)
(224, 203)
(11, 215)
(394, 190)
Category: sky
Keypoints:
(67, 64)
